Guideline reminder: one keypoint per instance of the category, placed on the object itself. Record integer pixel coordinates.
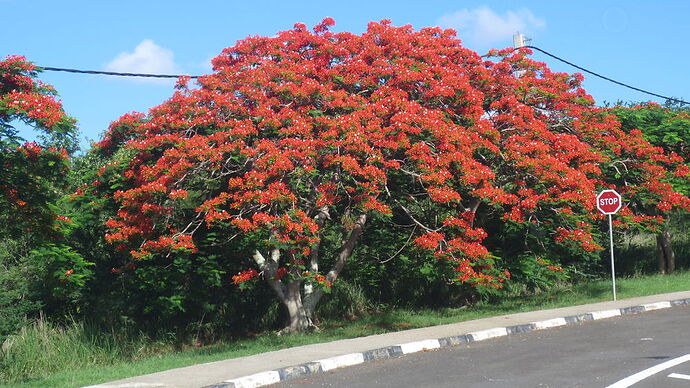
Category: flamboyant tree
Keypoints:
(296, 141)
(31, 172)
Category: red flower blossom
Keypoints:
(245, 276)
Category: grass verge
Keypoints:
(45, 355)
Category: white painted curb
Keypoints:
(256, 380)
(272, 377)
(341, 361)
(489, 333)
(418, 346)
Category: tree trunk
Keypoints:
(313, 295)
(301, 309)
(665, 255)
(660, 259)
(290, 295)
(300, 319)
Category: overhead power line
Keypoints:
(522, 45)
(606, 78)
(116, 73)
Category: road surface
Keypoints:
(650, 349)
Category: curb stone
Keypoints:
(275, 376)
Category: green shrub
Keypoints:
(17, 299)
(347, 301)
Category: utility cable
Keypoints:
(115, 73)
(527, 46)
(607, 78)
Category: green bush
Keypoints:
(347, 301)
(18, 301)
(533, 274)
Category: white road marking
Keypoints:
(679, 376)
(639, 376)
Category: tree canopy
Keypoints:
(297, 142)
(31, 171)
(668, 128)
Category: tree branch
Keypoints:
(320, 219)
(346, 249)
(401, 248)
(409, 214)
(474, 205)
(270, 269)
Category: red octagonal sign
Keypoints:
(609, 202)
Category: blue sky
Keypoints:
(642, 43)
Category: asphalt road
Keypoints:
(590, 354)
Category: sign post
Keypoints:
(609, 202)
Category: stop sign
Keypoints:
(609, 202)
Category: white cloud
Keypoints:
(484, 27)
(147, 58)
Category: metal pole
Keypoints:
(518, 40)
(613, 268)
